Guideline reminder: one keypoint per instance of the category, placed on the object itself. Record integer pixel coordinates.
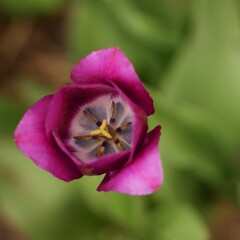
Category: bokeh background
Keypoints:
(187, 52)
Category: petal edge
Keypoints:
(30, 137)
(109, 65)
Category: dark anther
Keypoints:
(123, 127)
(119, 144)
(98, 123)
(104, 144)
(119, 130)
(112, 120)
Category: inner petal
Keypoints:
(101, 127)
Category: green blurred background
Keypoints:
(187, 52)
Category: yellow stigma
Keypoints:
(102, 130)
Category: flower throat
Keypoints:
(112, 131)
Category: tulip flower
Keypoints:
(96, 125)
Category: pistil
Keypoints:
(102, 130)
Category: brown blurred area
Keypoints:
(8, 231)
(225, 222)
(35, 48)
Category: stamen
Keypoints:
(98, 123)
(102, 130)
(123, 127)
(126, 125)
(100, 151)
(85, 137)
(113, 109)
(119, 144)
(112, 119)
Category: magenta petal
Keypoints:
(66, 102)
(31, 139)
(143, 176)
(111, 65)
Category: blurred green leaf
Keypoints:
(29, 7)
(30, 195)
(180, 222)
(192, 141)
(199, 106)
(101, 24)
(206, 72)
(10, 113)
(120, 208)
(170, 12)
(144, 28)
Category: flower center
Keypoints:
(104, 128)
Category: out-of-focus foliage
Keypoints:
(29, 7)
(187, 52)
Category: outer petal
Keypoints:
(112, 65)
(143, 176)
(31, 139)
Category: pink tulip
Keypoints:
(96, 125)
